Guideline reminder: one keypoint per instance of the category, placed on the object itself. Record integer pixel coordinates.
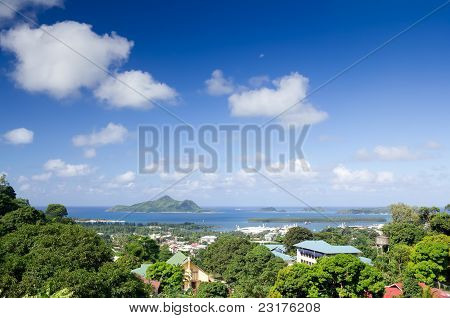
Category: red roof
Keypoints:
(396, 290)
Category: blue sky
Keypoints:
(379, 135)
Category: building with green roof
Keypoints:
(309, 251)
(177, 259)
(141, 270)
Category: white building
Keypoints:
(208, 239)
(309, 251)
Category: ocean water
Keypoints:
(224, 218)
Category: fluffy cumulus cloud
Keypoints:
(126, 177)
(286, 93)
(8, 12)
(133, 89)
(218, 85)
(111, 134)
(386, 153)
(63, 169)
(90, 153)
(431, 144)
(348, 179)
(19, 136)
(42, 177)
(44, 64)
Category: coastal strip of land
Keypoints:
(318, 219)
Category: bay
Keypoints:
(228, 218)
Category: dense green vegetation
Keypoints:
(294, 236)
(336, 276)
(163, 204)
(212, 290)
(419, 248)
(45, 254)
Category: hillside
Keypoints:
(163, 204)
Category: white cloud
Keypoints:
(24, 187)
(287, 91)
(257, 81)
(46, 65)
(126, 177)
(21, 179)
(219, 85)
(6, 13)
(90, 153)
(118, 95)
(42, 177)
(62, 169)
(111, 134)
(19, 136)
(431, 144)
(347, 179)
(387, 154)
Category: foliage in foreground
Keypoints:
(335, 276)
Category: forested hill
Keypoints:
(163, 204)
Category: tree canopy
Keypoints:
(334, 276)
(144, 248)
(403, 213)
(170, 276)
(56, 211)
(296, 235)
(212, 290)
(403, 233)
(440, 223)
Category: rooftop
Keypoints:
(141, 270)
(177, 259)
(325, 248)
(276, 247)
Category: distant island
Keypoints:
(163, 204)
(383, 210)
(271, 209)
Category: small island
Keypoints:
(271, 209)
(163, 204)
(381, 210)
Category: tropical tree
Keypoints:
(220, 254)
(56, 211)
(170, 276)
(335, 276)
(212, 290)
(430, 259)
(254, 274)
(440, 223)
(296, 281)
(404, 213)
(15, 219)
(164, 253)
(403, 233)
(296, 235)
(426, 213)
(34, 253)
(144, 248)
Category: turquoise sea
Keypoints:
(227, 218)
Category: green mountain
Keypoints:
(163, 204)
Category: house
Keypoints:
(309, 251)
(396, 290)
(280, 251)
(208, 239)
(193, 275)
(141, 274)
